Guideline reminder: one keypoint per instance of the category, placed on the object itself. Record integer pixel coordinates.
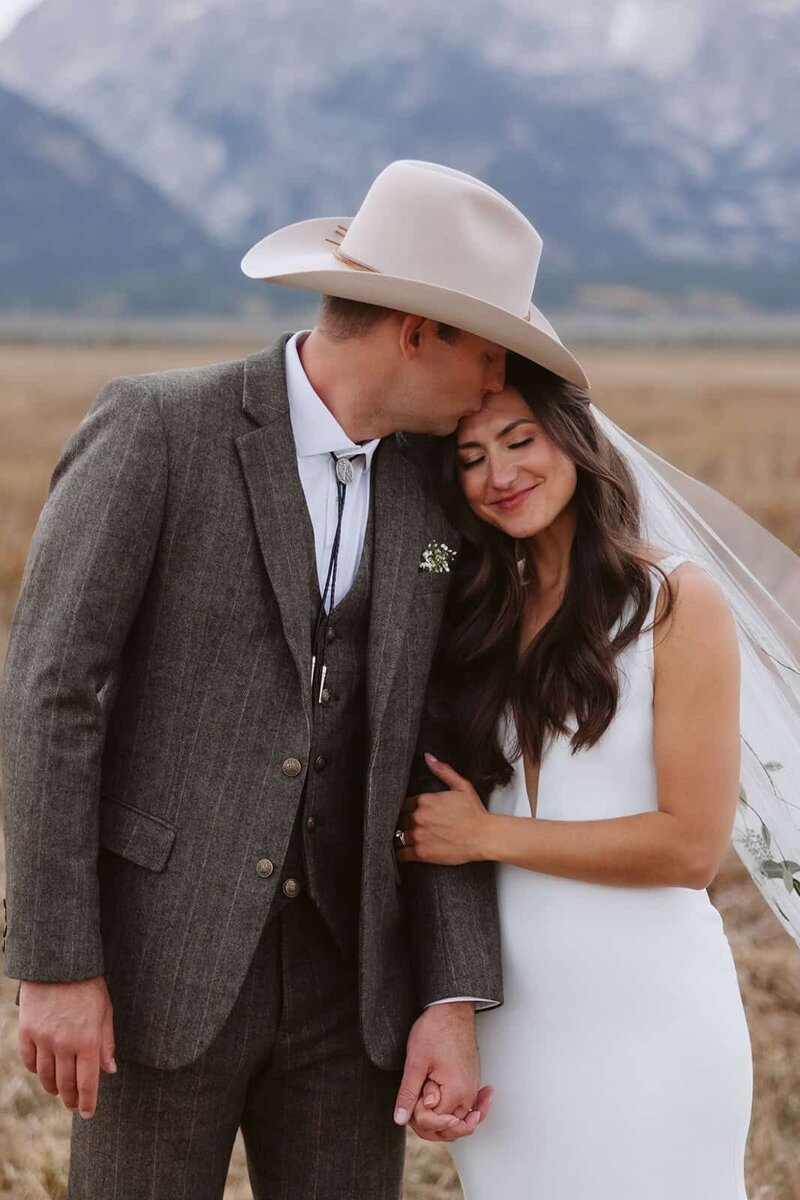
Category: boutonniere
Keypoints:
(436, 558)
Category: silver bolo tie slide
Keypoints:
(344, 470)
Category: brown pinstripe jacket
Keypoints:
(157, 679)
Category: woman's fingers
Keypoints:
(483, 1101)
(447, 774)
(430, 1125)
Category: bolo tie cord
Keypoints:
(320, 639)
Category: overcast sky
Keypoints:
(11, 11)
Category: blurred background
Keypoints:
(145, 144)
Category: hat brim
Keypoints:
(299, 256)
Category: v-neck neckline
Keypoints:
(533, 804)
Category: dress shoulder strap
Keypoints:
(657, 571)
(670, 563)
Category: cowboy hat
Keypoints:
(431, 241)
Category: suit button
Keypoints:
(325, 697)
(311, 823)
(264, 868)
(292, 767)
(320, 762)
(291, 888)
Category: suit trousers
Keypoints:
(287, 1067)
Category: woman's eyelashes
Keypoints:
(473, 462)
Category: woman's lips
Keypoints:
(511, 502)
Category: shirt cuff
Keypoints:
(479, 1002)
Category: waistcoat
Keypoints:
(324, 853)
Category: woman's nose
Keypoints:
(502, 475)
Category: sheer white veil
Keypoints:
(761, 581)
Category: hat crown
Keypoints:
(429, 222)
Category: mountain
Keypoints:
(650, 143)
(78, 229)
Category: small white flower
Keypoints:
(436, 558)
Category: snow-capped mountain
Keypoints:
(632, 132)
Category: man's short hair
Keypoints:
(344, 319)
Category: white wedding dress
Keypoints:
(620, 1057)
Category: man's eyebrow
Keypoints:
(506, 429)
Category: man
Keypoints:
(211, 703)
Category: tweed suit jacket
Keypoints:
(157, 681)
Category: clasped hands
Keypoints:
(440, 1095)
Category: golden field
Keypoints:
(728, 415)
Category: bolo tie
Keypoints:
(345, 473)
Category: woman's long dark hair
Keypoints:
(569, 669)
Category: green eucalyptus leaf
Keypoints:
(788, 882)
(742, 794)
(772, 870)
(766, 834)
(772, 766)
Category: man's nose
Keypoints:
(496, 376)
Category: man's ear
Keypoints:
(411, 335)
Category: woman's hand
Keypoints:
(448, 828)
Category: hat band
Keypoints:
(353, 263)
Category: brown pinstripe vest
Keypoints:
(324, 853)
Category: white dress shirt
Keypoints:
(317, 433)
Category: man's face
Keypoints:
(445, 381)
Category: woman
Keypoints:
(588, 683)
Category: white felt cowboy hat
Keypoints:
(431, 241)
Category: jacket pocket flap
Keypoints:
(135, 835)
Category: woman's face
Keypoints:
(511, 473)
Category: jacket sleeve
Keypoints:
(452, 912)
(87, 568)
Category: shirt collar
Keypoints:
(315, 429)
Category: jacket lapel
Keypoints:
(401, 511)
(268, 459)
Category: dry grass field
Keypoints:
(729, 416)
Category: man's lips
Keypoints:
(518, 498)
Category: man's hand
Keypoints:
(66, 1034)
(442, 1048)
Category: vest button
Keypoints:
(291, 888)
(320, 762)
(264, 868)
(292, 767)
(325, 697)
(331, 634)
(311, 823)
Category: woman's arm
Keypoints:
(696, 733)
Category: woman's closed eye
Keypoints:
(473, 462)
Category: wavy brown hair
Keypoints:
(570, 667)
